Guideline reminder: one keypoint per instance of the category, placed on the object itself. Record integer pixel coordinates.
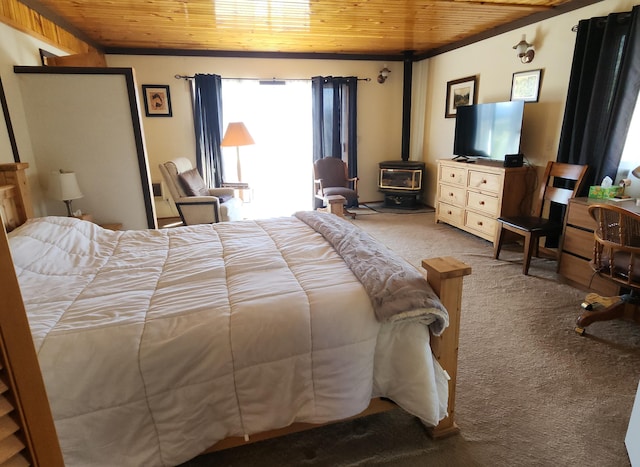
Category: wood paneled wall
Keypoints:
(23, 18)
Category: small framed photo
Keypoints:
(460, 92)
(157, 101)
(525, 86)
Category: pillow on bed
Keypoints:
(192, 183)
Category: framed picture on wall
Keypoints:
(157, 101)
(460, 92)
(525, 86)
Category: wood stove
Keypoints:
(401, 183)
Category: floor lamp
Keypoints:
(237, 135)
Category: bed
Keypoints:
(155, 346)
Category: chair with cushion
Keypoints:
(561, 182)
(331, 179)
(616, 257)
(196, 203)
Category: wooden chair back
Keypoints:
(552, 190)
(616, 252)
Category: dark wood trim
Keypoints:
(135, 119)
(7, 120)
(140, 148)
(44, 54)
(526, 21)
(246, 54)
(71, 70)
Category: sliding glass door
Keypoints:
(279, 166)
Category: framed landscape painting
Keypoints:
(460, 92)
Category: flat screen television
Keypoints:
(489, 130)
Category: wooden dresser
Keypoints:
(577, 245)
(472, 196)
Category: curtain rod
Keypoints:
(265, 81)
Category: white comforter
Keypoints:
(156, 344)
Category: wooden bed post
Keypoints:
(15, 175)
(445, 277)
(27, 433)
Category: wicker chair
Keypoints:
(616, 257)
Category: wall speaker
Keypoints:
(513, 160)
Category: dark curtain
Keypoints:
(603, 88)
(207, 118)
(335, 119)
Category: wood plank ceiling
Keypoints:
(356, 27)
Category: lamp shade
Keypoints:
(63, 186)
(636, 172)
(236, 135)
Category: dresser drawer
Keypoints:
(453, 175)
(485, 181)
(578, 270)
(486, 203)
(579, 215)
(485, 226)
(450, 214)
(451, 194)
(579, 242)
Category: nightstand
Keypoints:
(112, 226)
(106, 225)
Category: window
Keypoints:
(631, 155)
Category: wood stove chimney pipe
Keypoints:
(406, 103)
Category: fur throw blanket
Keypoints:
(397, 289)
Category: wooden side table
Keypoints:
(106, 225)
(112, 226)
(85, 217)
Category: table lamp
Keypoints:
(237, 135)
(63, 186)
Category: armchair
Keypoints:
(331, 178)
(196, 203)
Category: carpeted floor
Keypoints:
(531, 392)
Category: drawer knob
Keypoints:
(451, 195)
(449, 212)
(480, 223)
(481, 203)
(483, 181)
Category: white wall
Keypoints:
(83, 123)
(379, 105)
(17, 48)
(494, 61)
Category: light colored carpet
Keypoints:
(531, 392)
